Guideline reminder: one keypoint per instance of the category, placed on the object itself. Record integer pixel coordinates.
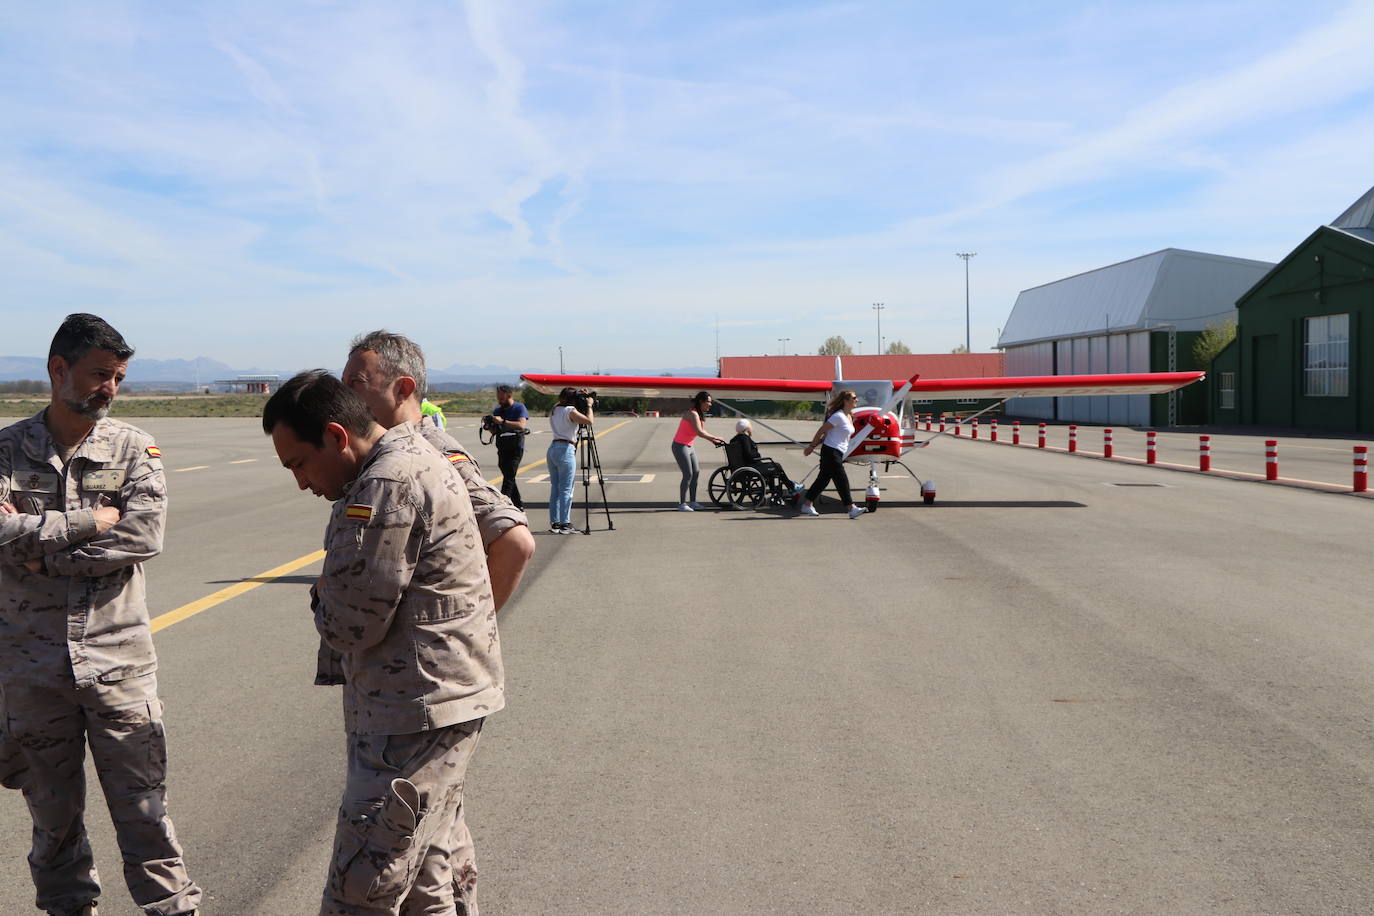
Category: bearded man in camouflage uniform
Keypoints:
(84, 507)
(406, 600)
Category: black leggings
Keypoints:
(508, 460)
(832, 468)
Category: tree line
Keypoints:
(24, 386)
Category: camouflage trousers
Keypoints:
(49, 727)
(402, 846)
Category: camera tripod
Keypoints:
(589, 460)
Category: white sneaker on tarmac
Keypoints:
(695, 507)
(808, 509)
(856, 511)
(685, 508)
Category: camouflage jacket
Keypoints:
(496, 514)
(85, 615)
(405, 595)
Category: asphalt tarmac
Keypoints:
(1068, 686)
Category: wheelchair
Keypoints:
(743, 485)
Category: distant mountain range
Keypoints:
(186, 373)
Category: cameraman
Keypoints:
(507, 423)
(574, 409)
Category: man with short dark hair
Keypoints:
(405, 598)
(510, 419)
(85, 507)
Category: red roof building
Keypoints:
(873, 366)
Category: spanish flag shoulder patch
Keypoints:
(358, 512)
(154, 451)
(457, 457)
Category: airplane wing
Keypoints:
(817, 390)
(1053, 386)
(649, 386)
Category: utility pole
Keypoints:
(878, 307)
(560, 360)
(967, 256)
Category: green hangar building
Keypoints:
(1301, 332)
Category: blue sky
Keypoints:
(256, 182)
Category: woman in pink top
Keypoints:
(693, 424)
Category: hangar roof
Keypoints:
(1358, 219)
(1359, 215)
(1186, 289)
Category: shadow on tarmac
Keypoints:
(827, 506)
(268, 580)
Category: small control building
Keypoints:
(1303, 330)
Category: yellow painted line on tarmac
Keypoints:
(243, 461)
(162, 621)
(534, 464)
(198, 467)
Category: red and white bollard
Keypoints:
(1073, 439)
(1271, 459)
(1361, 468)
(927, 422)
(1150, 446)
(958, 426)
(942, 422)
(1015, 432)
(1204, 453)
(1042, 436)
(975, 427)
(1106, 443)
(993, 437)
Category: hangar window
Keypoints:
(1326, 356)
(1228, 391)
(967, 401)
(924, 402)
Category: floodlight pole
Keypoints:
(878, 307)
(560, 360)
(966, 255)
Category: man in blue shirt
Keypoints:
(510, 418)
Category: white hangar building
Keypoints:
(1141, 315)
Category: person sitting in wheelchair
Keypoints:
(749, 453)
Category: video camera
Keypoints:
(583, 400)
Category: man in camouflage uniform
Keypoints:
(406, 600)
(388, 372)
(85, 506)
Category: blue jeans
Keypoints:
(562, 459)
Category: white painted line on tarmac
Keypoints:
(198, 467)
(243, 461)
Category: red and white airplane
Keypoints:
(884, 422)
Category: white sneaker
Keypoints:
(683, 507)
(695, 507)
(808, 509)
(856, 511)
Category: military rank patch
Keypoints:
(457, 457)
(358, 513)
(154, 452)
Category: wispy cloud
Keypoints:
(610, 178)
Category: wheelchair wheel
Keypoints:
(715, 487)
(746, 488)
